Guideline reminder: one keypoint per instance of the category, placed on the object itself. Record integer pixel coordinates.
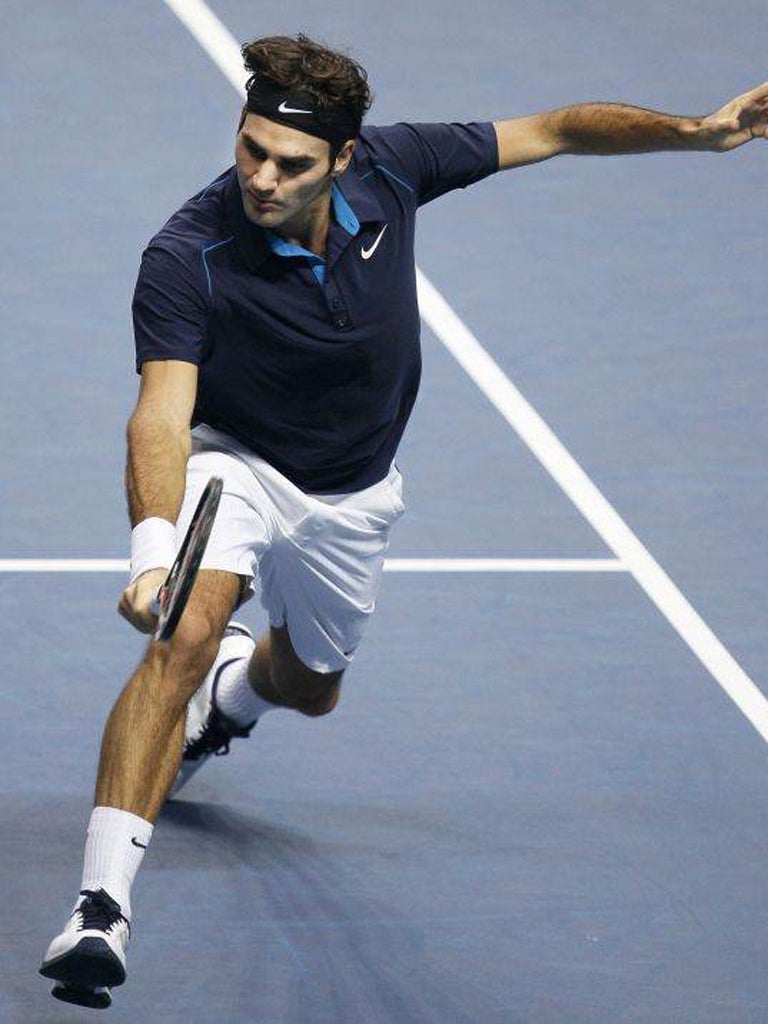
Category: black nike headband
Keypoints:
(299, 110)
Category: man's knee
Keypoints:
(193, 647)
(322, 704)
(309, 692)
(184, 661)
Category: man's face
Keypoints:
(281, 171)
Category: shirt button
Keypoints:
(341, 321)
(336, 304)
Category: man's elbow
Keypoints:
(152, 425)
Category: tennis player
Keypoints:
(277, 337)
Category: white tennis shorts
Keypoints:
(318, 558)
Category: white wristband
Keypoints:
(153, 546)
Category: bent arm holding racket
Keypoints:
(159, 446)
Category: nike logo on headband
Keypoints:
(283, 109)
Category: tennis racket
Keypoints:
(172, 597)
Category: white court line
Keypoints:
(390, 565)
(503, 565)
(217, 41)
(595, 508)
(64, 565)
(224, 50)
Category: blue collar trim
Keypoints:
(343, 212)
(344, 215)
(281, 247)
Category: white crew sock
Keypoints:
(236, 698)
(114, 851)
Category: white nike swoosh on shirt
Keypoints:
(367, 253)
(292, 110)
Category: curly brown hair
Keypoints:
(333, 79)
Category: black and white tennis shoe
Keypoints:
(88, 957)
(208, 730)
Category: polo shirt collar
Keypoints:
(360, 196)
(343, 212)
(344, 216)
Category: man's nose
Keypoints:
(265, 178)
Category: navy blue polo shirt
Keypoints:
(313, 364)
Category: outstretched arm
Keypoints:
(613, 128)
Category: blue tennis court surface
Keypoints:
(535, 803)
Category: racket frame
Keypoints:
(172, 597)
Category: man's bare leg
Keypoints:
(142, 745)
(140, 756)
(278, 675)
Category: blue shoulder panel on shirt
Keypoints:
(207, 249)
(390, 174)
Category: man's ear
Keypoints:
(344, 156)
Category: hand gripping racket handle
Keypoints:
(156, 604)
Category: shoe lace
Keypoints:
(215, 736)
(98, 910)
